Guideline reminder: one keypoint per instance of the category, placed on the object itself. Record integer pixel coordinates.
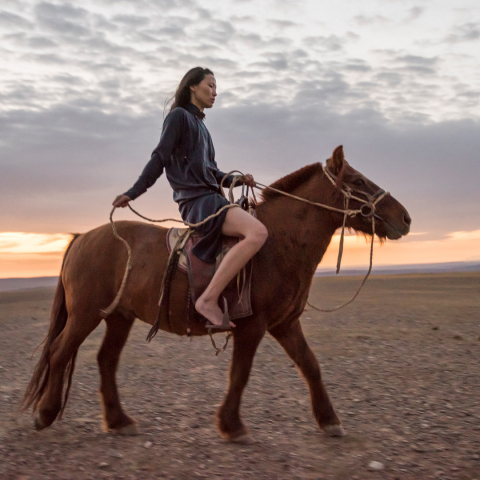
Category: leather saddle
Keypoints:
(200, 273)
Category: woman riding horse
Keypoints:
(186, 153)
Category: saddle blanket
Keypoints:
(200, 273)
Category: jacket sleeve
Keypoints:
(228, 181)
(173, 128)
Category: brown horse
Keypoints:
(299, 234)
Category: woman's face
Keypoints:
(203, 95)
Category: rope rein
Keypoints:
(107, 311)
(355, 295)
(370, 203)
(192, 225)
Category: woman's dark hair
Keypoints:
(191, 78)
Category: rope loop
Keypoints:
(367, 210)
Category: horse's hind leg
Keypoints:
(118, 328)
(294, 343)
(247, 336)
(63, 352)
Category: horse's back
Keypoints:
(95, 265)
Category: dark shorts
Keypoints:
(197, 210)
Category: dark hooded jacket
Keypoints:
(186, 153)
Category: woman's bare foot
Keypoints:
(211, 311)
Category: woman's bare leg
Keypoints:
(252, 234)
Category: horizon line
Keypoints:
(354, 270)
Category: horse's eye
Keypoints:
(359, 182)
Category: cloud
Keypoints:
(357, 65)
(17, 95)
(162, 5)
(219, 31)
(468, 32)
(210, 61)
(419, 69)
(131, 20)
(414, 13)
(69, 80)
(8, 20)
(470, 94)
(256, 41)
(40, 42)
(417, 60)
(274, 60)
(331, 43)
(63, 19)
(46, 58)
(473, 235)
(283, 23)
(417, 64)
(325, 92)
(203, 13)
(392, 78)
(24, 243)
(364, 20)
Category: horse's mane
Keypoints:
(290, 182)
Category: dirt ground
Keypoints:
(401, 365)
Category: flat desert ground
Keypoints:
(401, 365)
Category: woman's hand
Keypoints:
(248, 180)
(121, 201)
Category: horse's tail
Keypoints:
(58, 320)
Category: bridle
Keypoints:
(367, 210)
(370, 201)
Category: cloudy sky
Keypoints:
(83, 87)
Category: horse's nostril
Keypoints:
(407, 219)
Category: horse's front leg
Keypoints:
(246, 337)
(291, 338)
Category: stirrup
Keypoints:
(225, 325)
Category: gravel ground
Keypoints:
(401, 365)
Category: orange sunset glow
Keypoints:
(38, 255)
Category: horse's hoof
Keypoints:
(244, 439)
(38, 424)
(334, 430)
(131, 430)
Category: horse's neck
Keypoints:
(299, 231)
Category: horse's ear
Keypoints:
(335, 162)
